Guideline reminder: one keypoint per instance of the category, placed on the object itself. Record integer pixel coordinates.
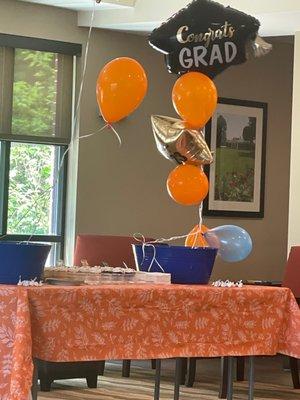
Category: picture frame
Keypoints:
(236, 135)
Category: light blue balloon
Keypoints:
(233, 242)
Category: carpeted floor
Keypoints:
(272, 383)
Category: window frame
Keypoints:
(63, 115)
(61, 188)
(67, 53)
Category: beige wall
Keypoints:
(294, 209)
(268, 79)
(19, 18)
(126, 187)
(122, 190)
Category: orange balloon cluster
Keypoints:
(195, 98)
(187, 185)
(121, 87)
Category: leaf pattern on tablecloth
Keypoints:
(7, 336)
(154, 315)
(139, 322)
(15, 344)
(6, 365)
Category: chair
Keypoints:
(48, 372)
(191, 373)
(291, 280)
(291, 277)
(115, 250)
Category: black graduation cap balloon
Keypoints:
(207, 37)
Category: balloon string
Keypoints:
(48, 190)
(84, 66)
(74, 138)
(160, 240)
(116, 133)
(199, 229)
(139, 237)
(93, 133)
(73, 134)
(36, 223)
(154, 258)
(145, 244)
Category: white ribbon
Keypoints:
(145, 244)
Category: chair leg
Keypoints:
(178, 377)
(240, 368)
(92, 380)
(224, 378)
(184, 362)
(101, 368)
(45, 384)
(126, 368)
(230, 379)
(153, 364)
(34, 389)
(295, 372)
(157, 379)
(191, 372)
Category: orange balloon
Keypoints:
(187, 184)
(195, 238)
(195, 98)
(121, 87)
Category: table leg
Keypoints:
(184, 367)
(230, 379)
(34, 387)
(178, 375)
(153, 364)
(157, 379)
(295, 372)
(224, 378)
(126, 368)
(240, 368)
(251, 378)
(191, 373)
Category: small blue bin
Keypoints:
(25, 260)
(185, 264)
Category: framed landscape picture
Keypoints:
(237, 137)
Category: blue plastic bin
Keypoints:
(25, 260)
(185, 264)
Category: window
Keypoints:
(36, 82)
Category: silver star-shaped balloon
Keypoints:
(178, 143)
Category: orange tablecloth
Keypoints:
(139, 322)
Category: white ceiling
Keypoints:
(86, 5)
(278, 18)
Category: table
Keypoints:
(139, 322)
